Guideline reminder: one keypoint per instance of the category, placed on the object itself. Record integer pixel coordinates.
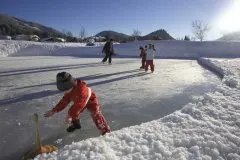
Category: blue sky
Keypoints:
(175, 16)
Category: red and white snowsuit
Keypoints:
(83, 97)
(149, 59)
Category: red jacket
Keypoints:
(79, 95)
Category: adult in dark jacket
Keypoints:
(108, 50)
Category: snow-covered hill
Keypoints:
(235, 36)
(12, 25)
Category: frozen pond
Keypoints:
(128, 96)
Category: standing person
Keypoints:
(83, 97)
(153, 46)
(149, 58)
(146, 47)
(143, 56)
(108, 50)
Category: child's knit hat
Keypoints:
(64, 81)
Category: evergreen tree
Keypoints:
(186, 38)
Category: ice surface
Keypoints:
(206, 128)
(127, 95)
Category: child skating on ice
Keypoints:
(83, 97)
(149, 57)
(143, 56)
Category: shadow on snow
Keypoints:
(46, 93)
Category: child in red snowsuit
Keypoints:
(77, 91)
(149, 57)
(143, 56)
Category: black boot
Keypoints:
(75, 125)
(71, 128)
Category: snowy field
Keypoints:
(182, 111)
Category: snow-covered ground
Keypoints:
(206, 128)
(182, 111)
(165, 49)
(229, 69)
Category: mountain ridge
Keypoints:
(10, 25)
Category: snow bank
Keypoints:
(207, 128)
(9, 47)
(165, 49)
(228, 69)
(28, 48)
(185, 49)
(213, 66)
